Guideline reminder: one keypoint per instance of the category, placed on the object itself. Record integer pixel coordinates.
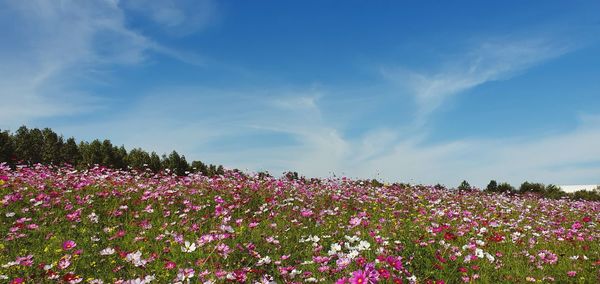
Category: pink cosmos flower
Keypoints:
(358, 277)
(185, 274)
(548, 257)
(170, 265)
(71, 278)
(64, 262)
(25, 260)
(355, 221)
(342, 262)
(68, 245)
(572, 273)
(306, 213)
(384, 273)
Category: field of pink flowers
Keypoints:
(59, 225)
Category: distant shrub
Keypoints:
(439, 187)
(553, 191)
(528, 187)
(492, 186)
(506, 187)
(464, 186)
(591, 195)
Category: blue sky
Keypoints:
(417, 91)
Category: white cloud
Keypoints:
(50, 47)
(196, 120)
(177, 17)
(490, 60)
(563, 158)
(190, 120)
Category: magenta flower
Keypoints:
(170, 265)
(572, 273)
(358, 277)
(68, 245)
(306, 213)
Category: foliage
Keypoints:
(593, 195)
(528, 187)
(492, 186)
(32, 146)
(506, 188)
(464, 186)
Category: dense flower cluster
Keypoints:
(59, 225)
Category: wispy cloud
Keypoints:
(196, 121)
(178, 17)
(562, 158)
(50, 47)
(489, 60)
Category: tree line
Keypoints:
(32, 146)
(548, 191)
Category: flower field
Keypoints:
(59, 225)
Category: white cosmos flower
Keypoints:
(479, 253)
(107, 251)
(353, 254)
(363, 245)
(264, 260)
(188, 247)
(352, 239)
(335, 248)
(136, 259)
(295, 272)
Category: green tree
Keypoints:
(120, 157)
(91, 153)
(70, 152)
(212, 170)
(553, 191)
(51, 147)
(199, 166)
(176, 163)
(492, 186)
(505, 187)
(220, 170)
(531, 187)
(439, 186)
(28, 145)
(291, 175)
(138, 159)
(7, 147)
(464, 185)
(108, 154)
(155, 164)
(591, 195)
